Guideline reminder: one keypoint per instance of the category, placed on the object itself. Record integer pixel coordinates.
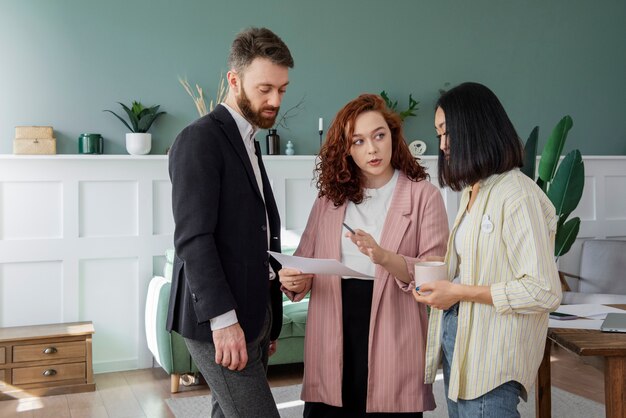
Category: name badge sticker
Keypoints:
(486, 225)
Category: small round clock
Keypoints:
(417, 148)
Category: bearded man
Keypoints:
(225, 300)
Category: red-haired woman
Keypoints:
(365, 339)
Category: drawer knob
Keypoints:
(49, 372)
(50, 350)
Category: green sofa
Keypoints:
(170, 351)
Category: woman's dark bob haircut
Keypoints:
(481, 138)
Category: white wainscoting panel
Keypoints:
(31, 293)
(103, 221)
(31, 210)
(108, 208)
(82, 235)
(162, 223)
(108, 296)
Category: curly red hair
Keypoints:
(338, 177)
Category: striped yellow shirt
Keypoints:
(509, 246)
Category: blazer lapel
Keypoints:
(331, 222)
(396, 223)
(397, 219)
(229, 127)
(270, 203)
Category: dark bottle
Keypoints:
(273, 142)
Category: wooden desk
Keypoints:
(584, 342)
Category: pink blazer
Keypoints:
(415, 226)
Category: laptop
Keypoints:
(614, 322)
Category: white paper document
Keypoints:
(588, 310)
(317, 265)
(576, 323)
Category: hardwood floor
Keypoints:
(142, 393)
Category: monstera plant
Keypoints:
(563, 183)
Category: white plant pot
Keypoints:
(138, 143)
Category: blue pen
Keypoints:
(348, 228)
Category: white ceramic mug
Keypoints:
(429, 271)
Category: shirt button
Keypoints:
(263, 228)
(266, 263)
(194, 297)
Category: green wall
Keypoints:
(64, 61)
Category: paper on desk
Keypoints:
(576, 323)
(317, 265)
(588, 310)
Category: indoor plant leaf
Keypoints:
(148, 110)
(530, 153)
(123, 121)
(567, 186)
(552, 150)
(147, 120)
(565, 236)
(134, 121)
(137, 107)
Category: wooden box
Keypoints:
(33, 132)
(35, 146)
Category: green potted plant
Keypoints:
(563, 183)
(410, 111)
(138, 140)
(416, 147)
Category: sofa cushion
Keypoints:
(294, 319)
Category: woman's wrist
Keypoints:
(471, 293)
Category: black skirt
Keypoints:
(356, 298)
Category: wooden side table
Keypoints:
(44, 360)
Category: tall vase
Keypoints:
(272, 141)
(138, 143)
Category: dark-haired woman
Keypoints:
(365, 339)
(490, 325)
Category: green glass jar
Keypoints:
(90, 144)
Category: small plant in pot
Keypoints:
(138, 141)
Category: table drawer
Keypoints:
(51, 373)
(35, 352)
(2, 355)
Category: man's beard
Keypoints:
(255, 117)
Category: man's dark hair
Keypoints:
(481, 138)
(258, 43)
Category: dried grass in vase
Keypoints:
(198, 99)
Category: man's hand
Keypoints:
(230, 347)
(273, 348)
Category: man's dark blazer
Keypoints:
(221, 233)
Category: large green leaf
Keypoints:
(568, 183)
(123, 121)
(554, 147)
(530, 153)
(147, 111)
(146, 121)
(565, 236)
(132, 116)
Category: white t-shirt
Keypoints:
(368, 216)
